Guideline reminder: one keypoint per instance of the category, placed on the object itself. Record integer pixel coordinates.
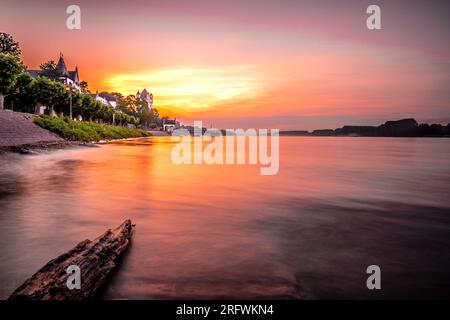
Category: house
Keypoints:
(170, 125)
(105, 98)
(69, 78)
(110, 99)
(146, 96)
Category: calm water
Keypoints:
(337, 206)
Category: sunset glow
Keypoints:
(186, 90)
(288, 64)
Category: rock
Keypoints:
(96, 260)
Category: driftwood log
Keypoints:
(96, 260)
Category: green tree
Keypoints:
(118, 96)
(61, 102)
(10, 70)
(8, 45)
(77, 104)
(47, 92)
(146, 117)
(49, 70)
(123, 107)
(19, 98)
(84, 87)
(88, 107)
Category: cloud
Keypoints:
(188, 89)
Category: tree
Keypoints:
(47, 92)
(10, 70)
(8, 45)
(84, 87)
(118, 96)
(19, 97)
(123, 106)
(88, 107)
(146, 117)
(49, 70)
(131, 100)
(77, 104)
(141, 105)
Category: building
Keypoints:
(106, 98)
(69, 78)
(146, 96)
(170, 125)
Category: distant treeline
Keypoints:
(399, 128)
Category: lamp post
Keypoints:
(68, 86)
(70, 104)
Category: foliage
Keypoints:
(48, 92)
(86, 131)
(8, 45)
(84, 87)
(23, 93)
(10, 70)
(49, 70)
(139, 109)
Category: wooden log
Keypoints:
(96, 260)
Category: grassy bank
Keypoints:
(86, 131)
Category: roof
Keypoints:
(61, 66)
(73, 75)
(170, 121)
(108, 96)
(34, 73)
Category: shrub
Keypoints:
(87, 131)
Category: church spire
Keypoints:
(61, 66)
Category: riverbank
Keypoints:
(18, 133)
(25, 133)
(394, 128)
(87, 131)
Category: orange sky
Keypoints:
(280, 64)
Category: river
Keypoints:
(336, 206)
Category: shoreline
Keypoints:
(48, 146)
(42, 146)
(20, 134)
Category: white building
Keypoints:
(170, 125)
(105, 98)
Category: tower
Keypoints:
(61, 66)
(146, 96)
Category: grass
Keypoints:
(87, 131)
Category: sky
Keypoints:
(286, 64)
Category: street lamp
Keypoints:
(68, 86)
(70, 104)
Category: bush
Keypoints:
(86, 131)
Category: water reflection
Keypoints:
(336, 206)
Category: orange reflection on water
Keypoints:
(212, 231)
